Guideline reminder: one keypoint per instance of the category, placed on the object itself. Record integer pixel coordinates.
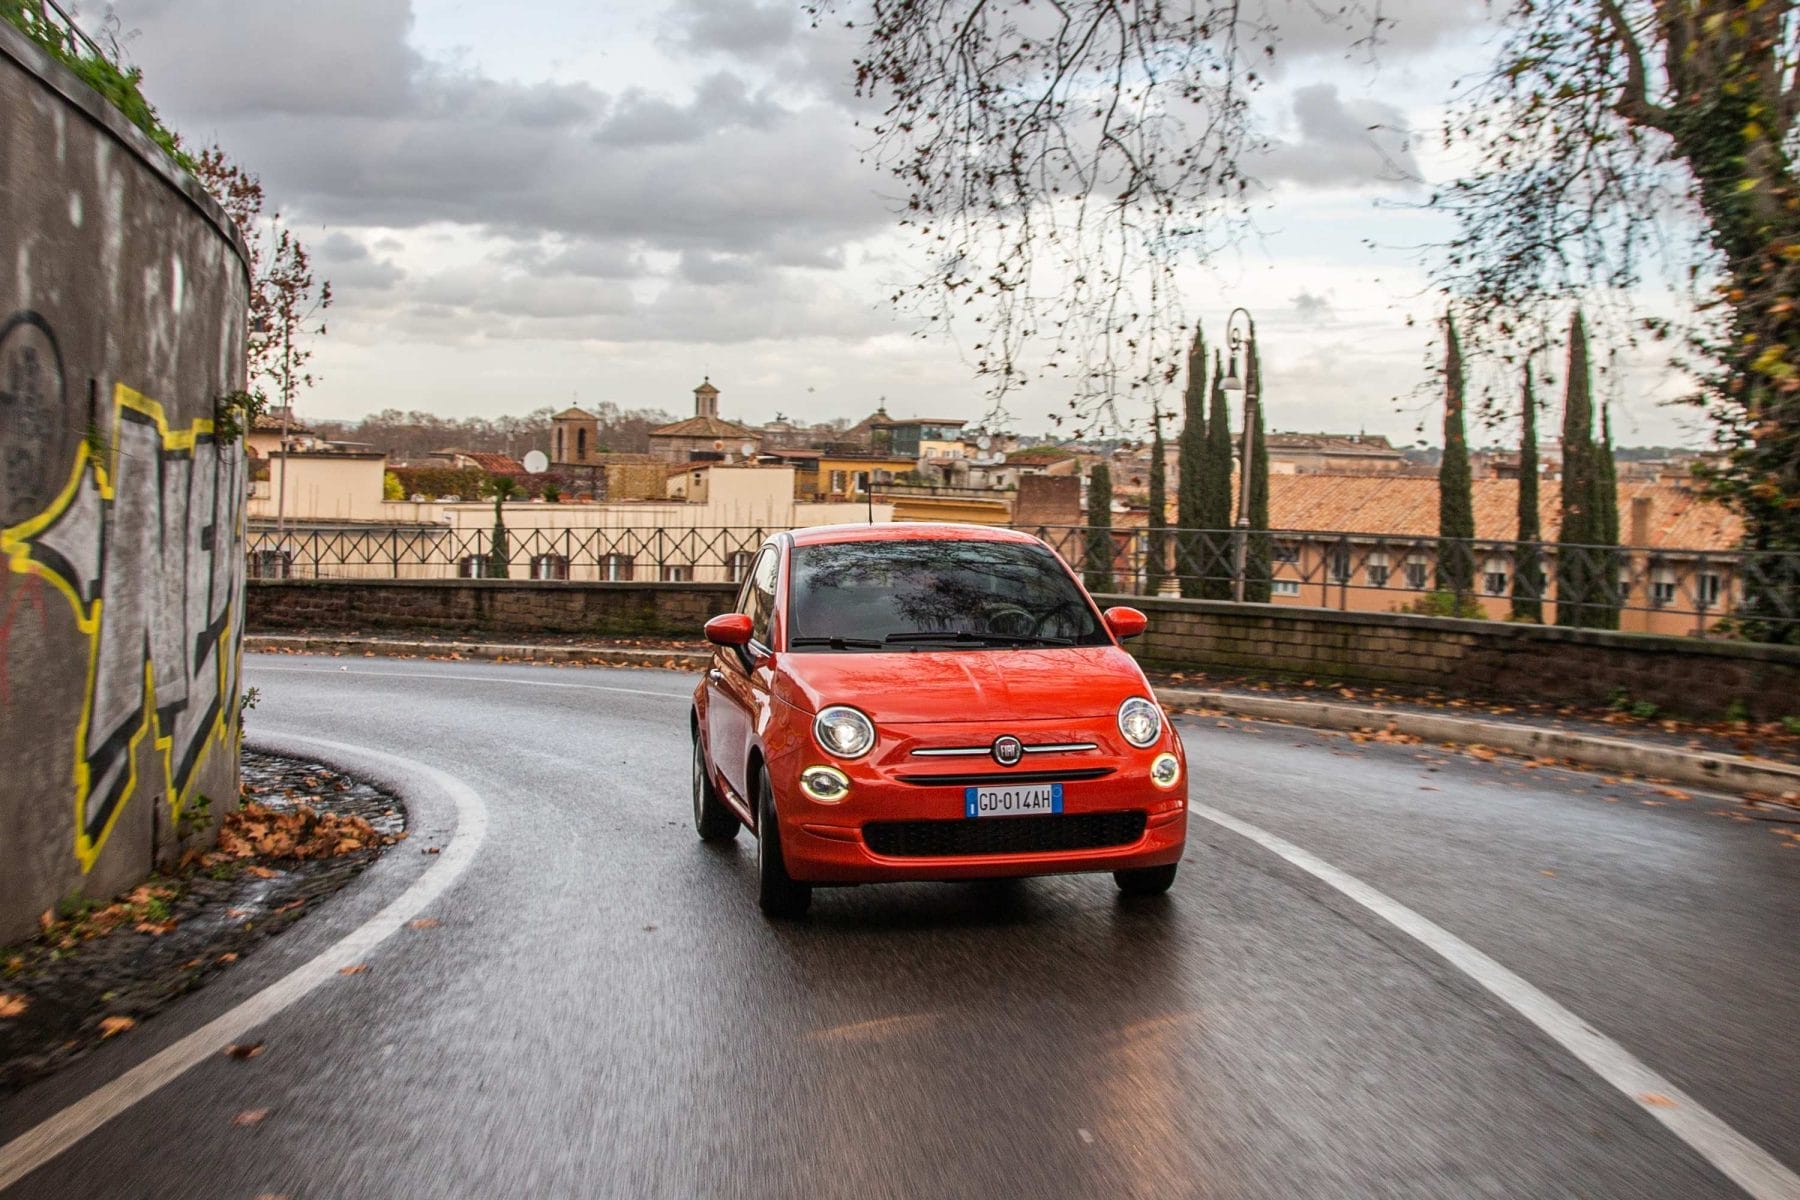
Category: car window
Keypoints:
(760, 595)
(932, 594)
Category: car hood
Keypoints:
(1053, 683)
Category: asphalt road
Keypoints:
(602, 1011)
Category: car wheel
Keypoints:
(778, 894)
(713, 821)
(1146, 881)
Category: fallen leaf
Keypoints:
(228, 958)
(424, 923)
(261, 872)
(358, 969)
(1482, 752)
(12, 1005)
(1674, 793)
(244, 1050)
(250, 1116)
(1551, 874)
(112, 1025)
(1656, 1100)
(156, 928)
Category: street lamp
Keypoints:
(1242, 340)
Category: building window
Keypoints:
(1377, 568)
(581, 445)
(1284, 587)
(1709, 590)
(1662, 587)
(615, 568)
(1287, 552)
(737, 564)
(550, 566)
(1415, 573)
(1493, 577)
(271, 564)
(674, 573)
(839, 480)
(1338, 564)
(469, 566)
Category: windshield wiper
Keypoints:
(988, 639)
(836, 643)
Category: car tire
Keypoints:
(779, 895)
(1146, 881)
(713, 821)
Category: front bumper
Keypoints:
(1107, 792)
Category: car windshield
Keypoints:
(891, 595)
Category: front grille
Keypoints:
(1004, 835)
(1003, 778)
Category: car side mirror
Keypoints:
(729, 629)
(1125, 622)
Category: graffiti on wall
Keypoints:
(141, 541)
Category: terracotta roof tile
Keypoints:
(1407, 507)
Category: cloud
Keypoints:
(1339, 143)
(400, 142)
(1309, 306)
(351, 267)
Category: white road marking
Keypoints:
(1738, 1158)
(589, 687)
(44, 1141)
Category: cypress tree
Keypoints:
(1190, 484)
(1257, 586)
(1215, 498)
(1606, 522)
(1456, 493)
(1156, 568)
(1575, 569)
(1097, 561)
(1528, 571)
(499, 558)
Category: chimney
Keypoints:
(1640, 521)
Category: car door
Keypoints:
(732, 689)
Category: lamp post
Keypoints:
(1241, 337)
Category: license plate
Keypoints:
(1018, 801)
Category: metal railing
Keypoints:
(700, 555)
(1706, 593)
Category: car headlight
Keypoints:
(843, 731)
(1140, 721)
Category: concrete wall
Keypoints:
(488, 606)
(1492, 659)
(1479, 658)
(122, 301)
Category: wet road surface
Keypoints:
(602, 1011)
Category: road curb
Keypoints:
(302, 643)
(1695, 767)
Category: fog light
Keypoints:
(1165, 771)
(824, 783)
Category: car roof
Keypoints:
(909, 531)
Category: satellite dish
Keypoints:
(537, 462)
(747, 449)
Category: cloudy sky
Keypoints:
(560, 201)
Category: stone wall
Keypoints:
(1491, 659)
(121, 570)
(488, 606)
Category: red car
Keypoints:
(930, 702)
